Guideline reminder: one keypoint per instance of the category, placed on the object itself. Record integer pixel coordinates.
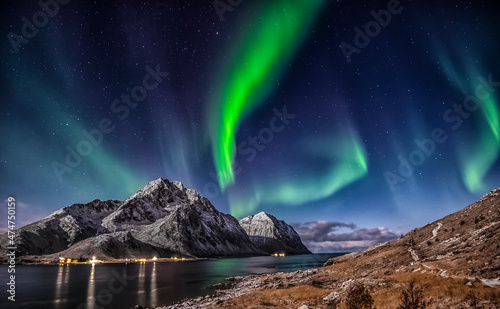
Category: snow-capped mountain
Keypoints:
(63, 228)
(273, 235)
(162, 219)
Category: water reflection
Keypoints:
(62, 285)
(59, 283)
(91, 289)
(154, 287)
(141, 291)
(149, 284)
(66, 278)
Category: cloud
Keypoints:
(324, 236)
(319, 230)
(24, 214)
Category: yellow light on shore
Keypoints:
(154, 258)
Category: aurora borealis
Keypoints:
(259, 58)
(218, 122)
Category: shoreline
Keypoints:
(329, 286)
(56, 262)
(51, 259)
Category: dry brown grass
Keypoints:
(437, 290)
(280, 298)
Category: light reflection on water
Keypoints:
(59, 285)
(154, 289)
(141, 291)
(91, 289)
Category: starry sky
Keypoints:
(354, 120)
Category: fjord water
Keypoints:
(148, 284)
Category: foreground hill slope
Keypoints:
(465, 243)
(456, 256)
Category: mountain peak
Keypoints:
(153, 188)
(156, 184)
(260, 214)
(179, 185)
(273, 235)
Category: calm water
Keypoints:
(125, 285)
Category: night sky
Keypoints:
(354, 124)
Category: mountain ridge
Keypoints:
(162, 219)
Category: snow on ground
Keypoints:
(413, 254)
(491, 282)
(435, 230)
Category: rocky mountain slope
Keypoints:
(273, 235)
(465, 243)
(162, 219)
(450, 260)
(62, 228)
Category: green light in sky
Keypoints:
(476, 156)
(347, 162)
(273, 34)
(478, 162)
(116, 178)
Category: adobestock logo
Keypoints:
(427, 146)
(222, 6)
(251, 146)
(105, 296)
(371, 30)
(39, 20)
(120, 107)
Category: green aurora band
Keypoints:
(347, 163)
(478, 156)
(103, 164)
(478, 162)
(257, 61)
